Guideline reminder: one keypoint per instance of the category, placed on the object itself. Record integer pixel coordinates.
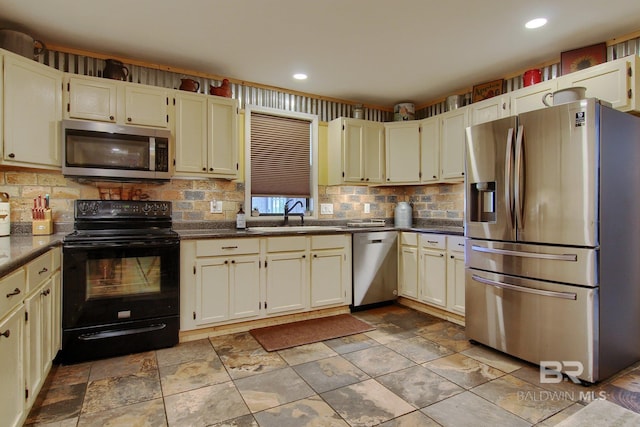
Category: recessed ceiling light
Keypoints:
(300, 76)
(536, 23)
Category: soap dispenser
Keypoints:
(241, 222)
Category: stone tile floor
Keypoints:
(413, 370)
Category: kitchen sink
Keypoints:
(294, 229)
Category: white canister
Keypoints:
(403, 216)
(5, 215)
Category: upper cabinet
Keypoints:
(356, 152)
(32, 110)
(530, 98)
(91, 98)
(94, 98)
(489, 109)
(206, 136)
(403, 152)
(615, 82)
(452, 138)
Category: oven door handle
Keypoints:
(129, 244)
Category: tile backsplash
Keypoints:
(191, 197)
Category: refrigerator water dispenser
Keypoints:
(483, 201)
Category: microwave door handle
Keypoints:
(502, 285)
(152, 153)
(508, 176)
(518, 179)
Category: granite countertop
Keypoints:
(18, 249)
(212, 233)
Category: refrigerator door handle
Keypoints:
(553, 294)
(508, 172)
(554, 257)
(518, 192)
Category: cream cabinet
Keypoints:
(488, 110)
(356, 152)
(287, 271)
(206, 136)
(30, 330)
(12, 348)
(455, 274)
(12, 395)
(433, 269)
(91, 98)
(530, 98)
(408, 265)
(225, 281)
(402, 148)
(94, 98)
(453, 126)
(430, 150)
(615, 82)
(220, 281)
(32, 110)
(330, 270)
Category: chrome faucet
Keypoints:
(288, 209)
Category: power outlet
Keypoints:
(215, 206)
(367, 208)
(326, 209)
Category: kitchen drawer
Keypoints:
(286, 244)
(39, 270)
(455, 243)
(222, 247)
(433, 241)
(409, 239)
(12, 291)
(328, 241)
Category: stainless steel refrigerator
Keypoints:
(552, 221)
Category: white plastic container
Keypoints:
(5, 215)
(403, 217)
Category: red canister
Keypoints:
(532, 77)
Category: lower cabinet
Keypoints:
(330, 270)
(30, 330)
(224, 281)
(287, 271)
(432, 270)
(408, 265)
(12, 395)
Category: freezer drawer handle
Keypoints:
(564, 295)
(555, 257)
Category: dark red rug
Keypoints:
(308, 331)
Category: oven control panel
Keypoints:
(122, 209)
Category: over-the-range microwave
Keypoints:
(108, 150)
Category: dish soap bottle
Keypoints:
(241, 222)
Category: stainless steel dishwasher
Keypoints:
(375, 268)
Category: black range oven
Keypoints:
(121, 280)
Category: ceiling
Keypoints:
(377, 52)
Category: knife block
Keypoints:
(43, 226)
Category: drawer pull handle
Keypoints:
(16, 291)
(6, 333)
(432, 241)
(44, 270)
(45, 292)
(229, 247)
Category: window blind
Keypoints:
(280, 156)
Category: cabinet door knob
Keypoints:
(111, 117)
(128, 119)
(210, 169)
(11, 155)
(304, 256)
(6, 333)
(226, 261)
(204, 169)
(233, 261)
